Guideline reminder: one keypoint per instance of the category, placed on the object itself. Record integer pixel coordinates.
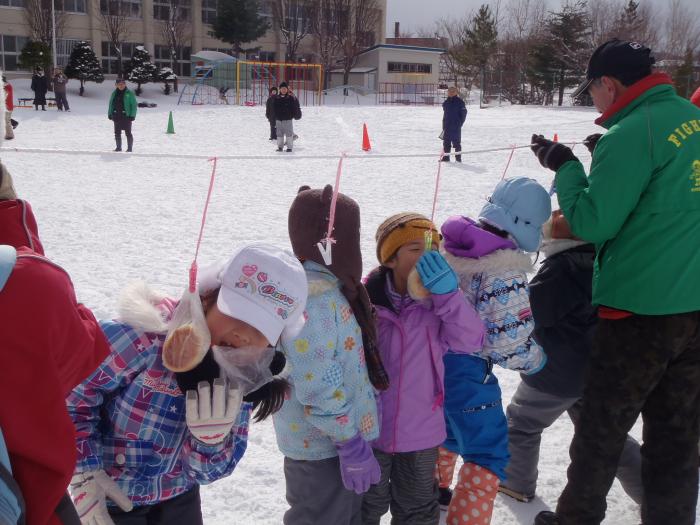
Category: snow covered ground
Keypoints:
(112, 218)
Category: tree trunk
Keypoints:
(561, 87)
(82, 87)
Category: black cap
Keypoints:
(619, 59)
(119, 80)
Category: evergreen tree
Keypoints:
(559, 59)
(35, 54)
(140, 70)
(480, 38)
(238, 22)
(84, 66)
(629, 23)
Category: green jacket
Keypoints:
(129, 104)
(640, 204)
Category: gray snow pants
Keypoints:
(408, 487)
(529, 413)
(317, 496)
(285, 133)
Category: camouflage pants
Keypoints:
(647, 364)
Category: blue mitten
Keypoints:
(436, 274)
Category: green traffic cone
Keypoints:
(171, 126)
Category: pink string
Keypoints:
(437, 185)
(334, 201)
(193, 266)
(510, 157)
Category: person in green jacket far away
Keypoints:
(122, 111)
(640, 206)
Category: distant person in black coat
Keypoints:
(454, 115)
(287, 110)
(39, 86)
(270, 113)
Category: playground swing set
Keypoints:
(218, 78)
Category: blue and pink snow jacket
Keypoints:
(130, 421)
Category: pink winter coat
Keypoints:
(412, 345)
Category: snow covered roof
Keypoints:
(390, 47)
(356, 70)
(213, 56)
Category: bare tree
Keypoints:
(37, 13)
(525, 18)
(324, 19)
(603, 16)
(115, 24)
(682, 29)
(452, 30)
(356, 30)
(176, 31)
(293, 18)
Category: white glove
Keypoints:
(210, 416)
(89, 491)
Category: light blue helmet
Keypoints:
(519, 206)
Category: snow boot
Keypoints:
(446, 158)
(129, 144)
(458, 158)
(279, 149)
(546, 517)
(118, 140)
(518, 496)
(445, 497)
(474, 495)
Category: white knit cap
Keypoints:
(263, 286)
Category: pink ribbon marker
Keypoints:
(325, 245)
(193, 266)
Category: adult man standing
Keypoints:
(122, 111)
(286, 110)
(640, 205)
(454, 115)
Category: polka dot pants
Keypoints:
(472, 501)
(445, 467)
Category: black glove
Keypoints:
(109, 117)
(132, 119)
(551, 154)
(591, 140)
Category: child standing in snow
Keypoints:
(565, 319)
(325, 425)
(141, 444)
(286, 110)
(270, 113)
(413, 337)
(490, 257)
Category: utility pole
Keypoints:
(53, 35)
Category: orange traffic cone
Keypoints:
(366, 146)
(556, 138)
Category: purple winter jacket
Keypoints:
(412, 345)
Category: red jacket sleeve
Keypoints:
(695, 99)
(50, 344)
(9, 104)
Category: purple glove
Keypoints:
(358, 466)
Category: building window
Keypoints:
(11, 3)
(409, 67)
(208, 11)
(64, 47)
(171, 9)
(260, 56)
(71, 6)
(182, 62)
(110, 57)
(127, 8)
(10, 49)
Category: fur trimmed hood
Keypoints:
(495, 262)
(143, 308)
